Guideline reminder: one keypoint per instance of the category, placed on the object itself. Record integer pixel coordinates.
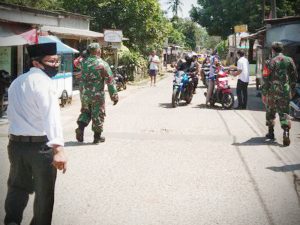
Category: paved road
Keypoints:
(163, 166)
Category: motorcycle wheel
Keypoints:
(189, 96)
(124, 86)
(227, 101)
(175, 100)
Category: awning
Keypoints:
(13, 35)
(77, 33)
(61, 47)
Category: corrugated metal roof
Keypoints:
(72, 32)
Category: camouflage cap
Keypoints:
(94, 46)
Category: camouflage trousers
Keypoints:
(278, 105)
(92, 110)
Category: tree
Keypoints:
(142, 21)
(174, 6)
(220, 16)
(41, 4)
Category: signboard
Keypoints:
(5, 59)
(240, 28)
(113, 35)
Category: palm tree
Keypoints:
(174, 6)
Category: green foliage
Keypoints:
(132, 60)
(142, 21)
(222, 49)
(41, 4)
(285, 7)
(220, 16)
(189, 34)
(175, 6)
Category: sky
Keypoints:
(186, 7)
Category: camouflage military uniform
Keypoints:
(279, 81)
(92, 92)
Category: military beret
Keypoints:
(93, 46)
(40, 50)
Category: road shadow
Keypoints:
(76, 143)
(257, 141)
(285, 168)
(169, 105)
(215, 107)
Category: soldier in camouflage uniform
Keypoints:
(95, 73)
(279, 76)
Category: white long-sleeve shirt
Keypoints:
(33, 108)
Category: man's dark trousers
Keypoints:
(31, 171)
(242, 93)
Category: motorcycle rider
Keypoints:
(205, 64)
(195, 68)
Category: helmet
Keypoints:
(188, 58)
(181, 64)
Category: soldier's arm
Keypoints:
(293, 75)
(266, 79)
(109, 80)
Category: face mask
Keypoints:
(50, 70)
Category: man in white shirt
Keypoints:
(153, 68)
(243, 72)
(36, 142)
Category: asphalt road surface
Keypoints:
(173, 166)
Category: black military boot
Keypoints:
(270, 135)
(286, 136)
(80, 131)
(98, 138)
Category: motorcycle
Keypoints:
(223, 93)
(295, 104)
(183, 88)
(120, 77)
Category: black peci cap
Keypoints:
(40, 50)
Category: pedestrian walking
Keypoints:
(279, 76)
(243, 71)
(153, 67)
(4, 83)
(35, 147)
(95, 73)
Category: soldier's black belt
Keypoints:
(19, 138)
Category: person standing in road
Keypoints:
(279, 76)
(153, 68)
(35, 147)
(95, 73)
(243, 71)
(214, 59)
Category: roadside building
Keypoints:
(25, 24)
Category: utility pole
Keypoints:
(273, 9)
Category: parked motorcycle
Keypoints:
(295, 104)
(183, 88)
(120, 77)
(223, 93)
